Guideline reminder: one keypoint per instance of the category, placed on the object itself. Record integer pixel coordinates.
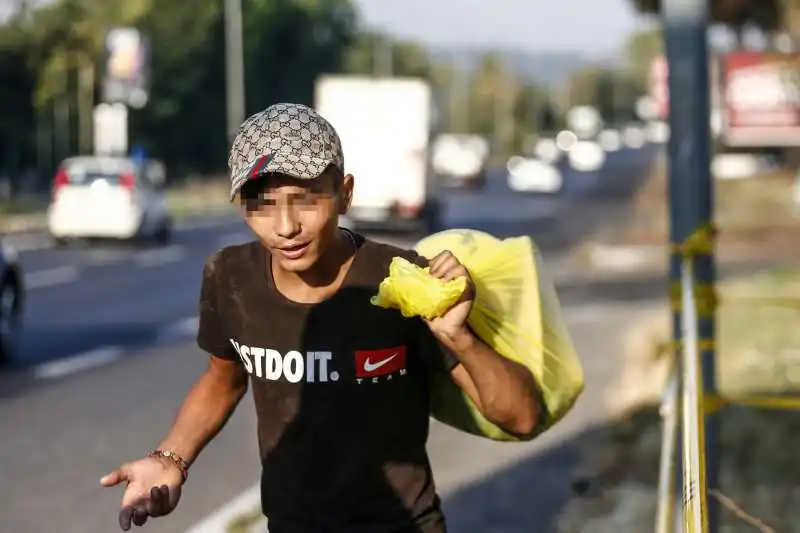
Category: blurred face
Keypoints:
(297, 220)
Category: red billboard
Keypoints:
(761, 99)
(659, 86)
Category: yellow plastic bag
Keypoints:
(516, 312)
(418, 293)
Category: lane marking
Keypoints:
(162, 256)
(179, 330)
(51, 276)
(78, 363)
(218, 521)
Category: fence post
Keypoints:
(691, 188)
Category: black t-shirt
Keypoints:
(341, 390)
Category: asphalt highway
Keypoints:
(108, 354)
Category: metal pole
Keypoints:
(234, 67)
(695, 498)
(691, 187)
(665, 513)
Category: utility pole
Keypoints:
(383, 57)
(85, 105)
(504, 111)
(234, 67)
(691, 196)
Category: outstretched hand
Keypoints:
(153, 489)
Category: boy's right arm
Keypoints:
(207, 407)
(153, 484)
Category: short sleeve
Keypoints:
(211, 335)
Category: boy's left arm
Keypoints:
(504, 391)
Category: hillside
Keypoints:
(549, 68)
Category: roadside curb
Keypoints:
(28, 223)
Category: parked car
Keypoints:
(11, 302)
(109, 197)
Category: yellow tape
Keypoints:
(700, 242)
(714, 403)
(672, 347)
(705, 298)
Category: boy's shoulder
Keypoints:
(380, 254)
(233, 259)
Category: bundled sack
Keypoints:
(516, 312)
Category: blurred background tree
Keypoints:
(50, 56)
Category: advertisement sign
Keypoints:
(762, 99)
(659, 87)
(110, 129)
(126, 69)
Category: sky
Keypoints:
(595, 27)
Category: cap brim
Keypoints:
(307, 169)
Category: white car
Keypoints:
(533, 175)
(108, 197)
(587, 156)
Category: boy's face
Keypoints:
(296, 219)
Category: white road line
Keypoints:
(179, 330)
(51, 276)
(162, 256)
(217, 522)
(78, 363)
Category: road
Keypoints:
(108, 354)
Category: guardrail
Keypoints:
(688, 402)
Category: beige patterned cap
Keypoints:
(290, 139)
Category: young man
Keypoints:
(341, 387)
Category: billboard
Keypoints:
(659, 86)
(761, 99)
(126, 68)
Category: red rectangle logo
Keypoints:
(373, 363)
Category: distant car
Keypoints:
(460, 160)
(475, 181)
(531, 175)
(109, 197)
(586, 156)
(11, 302)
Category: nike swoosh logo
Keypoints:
(372, 367)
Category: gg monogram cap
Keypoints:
(286, 138)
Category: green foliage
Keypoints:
(46, 51)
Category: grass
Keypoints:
(758, 353)
(23, 205)
(746, 208)
(759, 344)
